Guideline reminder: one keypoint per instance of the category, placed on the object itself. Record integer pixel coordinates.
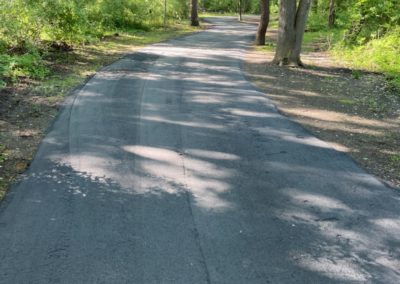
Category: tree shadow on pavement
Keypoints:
(207, 178)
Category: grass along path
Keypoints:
(28, 106)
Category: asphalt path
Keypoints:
(169, 166)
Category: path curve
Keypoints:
(168, 166)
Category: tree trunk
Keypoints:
(292, 24)
(286, 34)
(240, 10)
(195, 14)
(165, 15)
(332, 14)
(264, 21)
(300, 27)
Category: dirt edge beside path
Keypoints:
(28, 108)
(356, 112)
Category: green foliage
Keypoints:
(63, 21)
(76, 21)
(394, 159)
(3, 155)
(371, 19)
(18, 27)
(220, 5)
(27, 65)
(317, 21)
(30, 26)
(378, 55)
(363, 20)
(356, 74)
(229, 6)
(367, 34)
(369, 28)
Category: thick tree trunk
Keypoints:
(332, 14)
(286, 33)
(300, 27)
(264, 21)
(292, 23)
(195, 15)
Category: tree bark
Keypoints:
(195, 15)
(300, 27)
(264, 21)
(165, 15)
(292, 24)
(240, 10)
(286, 34)
(332, 14)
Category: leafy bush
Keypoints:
(26, 65)
(367, 33)
(248, 6)
(27, 26)
(220, 5)
(371, 19)
(379, 55)
(18, 27)
(76, 21)
(63, 21)
(317, 21)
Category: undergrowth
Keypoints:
(29, 30)
(14, 67)
(379, 52)
(378, 55)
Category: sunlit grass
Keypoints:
(379, 55)
(321, 40)
(268, 47)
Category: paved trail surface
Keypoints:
(170, 167)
